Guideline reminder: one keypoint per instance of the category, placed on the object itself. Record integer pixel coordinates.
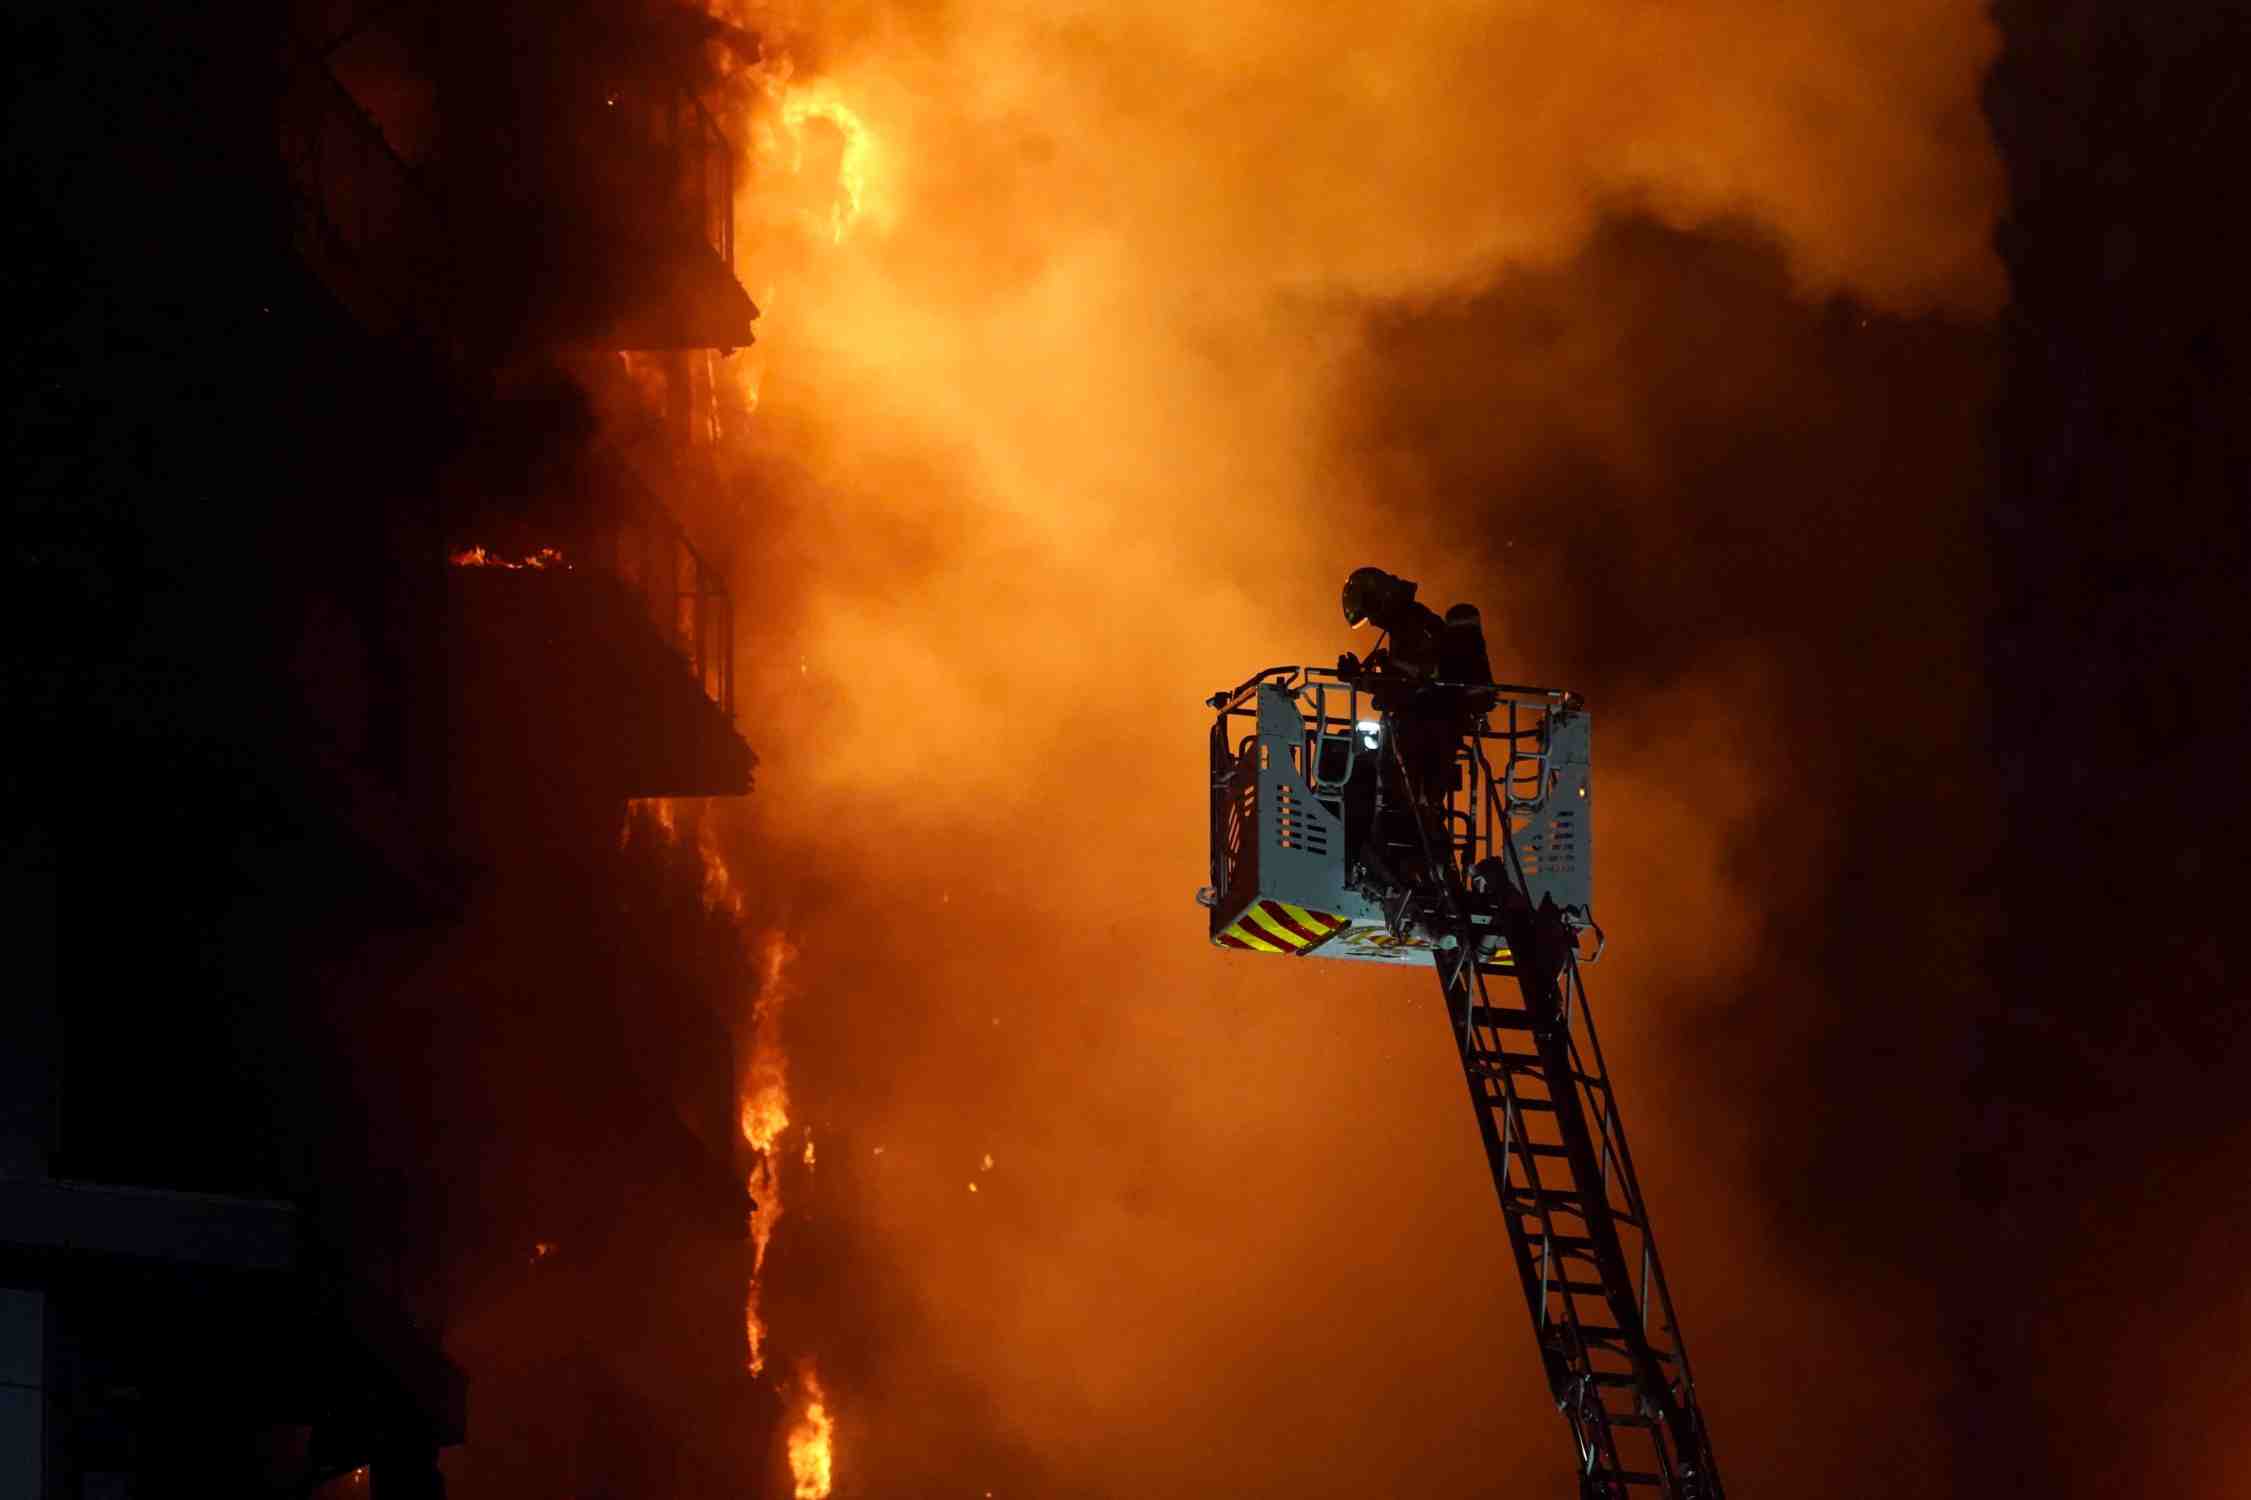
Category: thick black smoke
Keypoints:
(1747, 527)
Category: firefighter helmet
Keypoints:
(1373, 594)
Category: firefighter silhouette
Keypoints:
(1430, 679)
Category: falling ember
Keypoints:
(808, 1147)
(812, 1441)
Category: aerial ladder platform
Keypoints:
(1325, 846)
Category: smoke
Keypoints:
(1098, 346)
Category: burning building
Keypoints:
(382, 531)
(354, 1057)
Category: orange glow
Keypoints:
(765, 1107)
(762, 1104)
(766, 1116)
(719, 891)
(754, 1332)
(658, 811)
(812, 1441)
(765, 1098)
(1061, 308)
(820, 102)
(779, 135)
(647, 376)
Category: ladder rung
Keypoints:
(1502, 1018)
(1603, 1333)
(1507, 1064)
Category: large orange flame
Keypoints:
(778, 130)
(812, 1441)
(764, 1096)
(765, 1116)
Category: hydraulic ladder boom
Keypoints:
(1345, 830)
(1576, 1222)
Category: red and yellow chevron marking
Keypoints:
(1277, 927)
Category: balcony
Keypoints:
(489, 193)
(602, 659)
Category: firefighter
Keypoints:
(1427, 674)
(1427, 680)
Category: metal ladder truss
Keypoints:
(1576, 1221)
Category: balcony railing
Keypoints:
(685, 152)
(685, 597)
(625, 537)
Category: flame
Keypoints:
(765, 1110)
(712, 428)
(754, 1332)
(782, 104)
(719, 891)
(478, 557)
(765, 1116)
(763, 1099)
(794, 104)
(820, 103)
(812, 1441)
(657, 810)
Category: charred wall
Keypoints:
(323, 938)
